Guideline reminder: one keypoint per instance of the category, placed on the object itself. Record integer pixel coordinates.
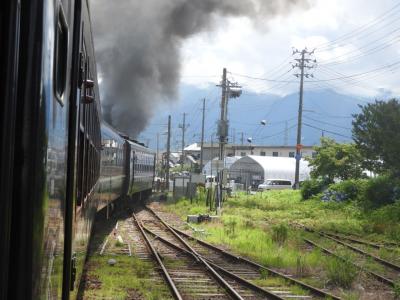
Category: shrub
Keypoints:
(345, 190)
(386, 220)
(341, 273)
(311, 188)
(280, 234)
(380, 191)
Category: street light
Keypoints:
(250, 140)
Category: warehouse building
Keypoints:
(253, 170)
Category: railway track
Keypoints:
(188, 275)
(385, 245)
(358, 239)
(245, 277)
(381, 269)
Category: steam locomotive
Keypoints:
(59, 162)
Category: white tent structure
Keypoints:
(210, 170)
(253, 170)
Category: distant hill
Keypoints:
(325, 112)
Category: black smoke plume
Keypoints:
(138, 43)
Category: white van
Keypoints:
(275, 184)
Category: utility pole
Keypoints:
(202, 136)
(286, 137)
(229, 90)
(158, 137)
(168, 153)
(212, 153)
(183, 126)
(301, 63)
(234, 141)
(223, 122)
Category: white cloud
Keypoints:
(244, 48)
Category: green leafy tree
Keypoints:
(334, 160)
(376, 132)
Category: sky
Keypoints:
(356, 46)
(265, 50)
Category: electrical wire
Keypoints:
(362, 28)
(326, 123)
(328, 131)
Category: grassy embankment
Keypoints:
(263, 227)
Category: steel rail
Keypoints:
(373, 245)
(168, 278)
(306, 286)
(383, 245)
(245, 282)
(355, 249)
(377, 276)
(232, 292)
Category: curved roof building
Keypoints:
(254, 169)
(208, 169)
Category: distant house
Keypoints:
(211, 151)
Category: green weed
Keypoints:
(301, 266)
(340, 273)
(280, 234)
(230, 226)
(396, 289)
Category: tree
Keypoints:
(336, 161)
(376, 132)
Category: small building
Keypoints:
(253, 169)
(210, 151)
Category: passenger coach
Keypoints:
(59, 163)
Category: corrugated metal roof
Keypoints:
(229, 160)
(274, 167)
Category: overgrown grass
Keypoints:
(279, 234)
(397, 289)
(262, 227)
(340, 273)
(115, 282)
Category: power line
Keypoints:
(332, 132)
(262, 79)
(373, 50)
(277, 133)
(361, 28)
(327, 123)
(359, 74)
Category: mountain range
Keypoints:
(325, 113)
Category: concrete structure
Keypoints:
(253, 170)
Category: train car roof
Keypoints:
(138, 146)
(110, 132)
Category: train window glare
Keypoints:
(61, 56)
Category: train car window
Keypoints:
(80, 168)
(61, 56)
